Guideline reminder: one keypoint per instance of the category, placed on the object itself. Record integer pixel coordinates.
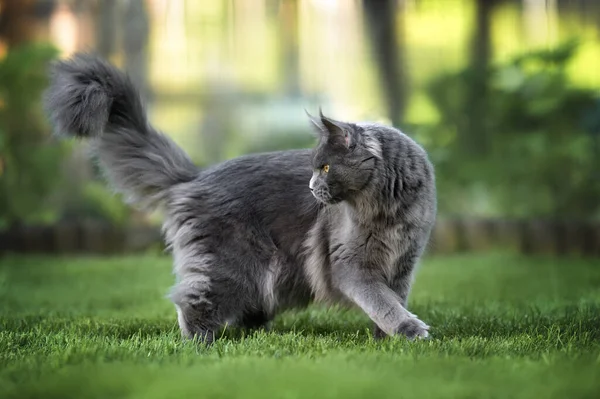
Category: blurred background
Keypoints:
(503, 94)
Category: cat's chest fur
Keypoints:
(339, 240)
(377, 247)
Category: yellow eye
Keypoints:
(325, 168)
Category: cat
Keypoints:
(343, 223)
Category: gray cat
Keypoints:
(343, 223)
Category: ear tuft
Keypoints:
(316, 122)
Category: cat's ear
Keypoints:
(318, 127)
(338, 133)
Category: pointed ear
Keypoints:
(337, 132)
(318, 127)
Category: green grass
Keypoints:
(502, 326)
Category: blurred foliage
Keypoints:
(100, 203)
(532, 149)
(92, 200)
(278, 142)
(31, 187)
(538, 151)
(29, 165)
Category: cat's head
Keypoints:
(343, 160)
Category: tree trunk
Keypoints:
(17, 24)
(389, 54)
(135, 44)
(474, 138)
(289, 45)
(106, 35)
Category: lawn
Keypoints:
(502, 326)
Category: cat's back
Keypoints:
(264, 177)
(268, 191)
(277, 165)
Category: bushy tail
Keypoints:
(90, 98)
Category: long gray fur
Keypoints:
(262, 233)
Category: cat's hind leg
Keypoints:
(217, 289)
(197, 314)
(206, 299)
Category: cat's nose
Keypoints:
(311, 184)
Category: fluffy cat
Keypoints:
(345, 222)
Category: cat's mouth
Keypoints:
(321, 195)
(325, 197)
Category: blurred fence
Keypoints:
(546, 237)
(89, 237)
(549, 237)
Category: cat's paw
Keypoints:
(413, 328)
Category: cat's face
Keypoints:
(341, 163)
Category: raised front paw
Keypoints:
(413, 328)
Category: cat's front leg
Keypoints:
(402, 280)
(379, 302)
